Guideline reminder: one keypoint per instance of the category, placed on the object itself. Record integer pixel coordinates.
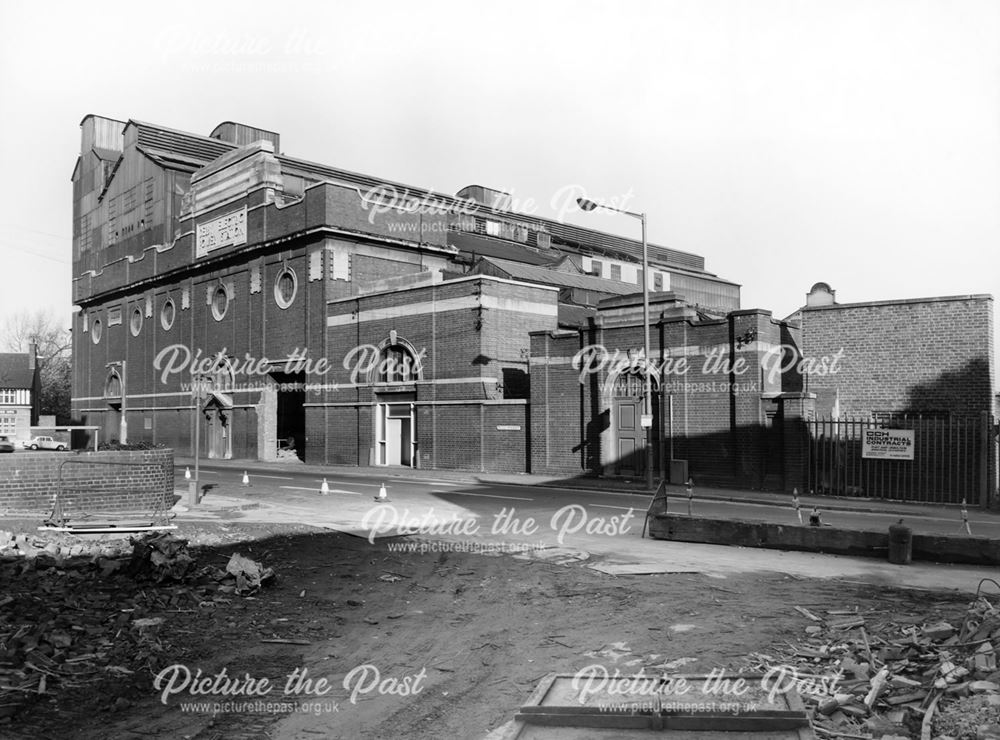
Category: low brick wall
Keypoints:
(119, 481)
(830, 540)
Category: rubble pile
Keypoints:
(161, 556)
(875, 676)
(67, 622)
(55, 547)
(249, 574)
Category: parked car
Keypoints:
(6, 445)
(44, 443)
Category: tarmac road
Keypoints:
(598, 527)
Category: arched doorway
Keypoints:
(394, 378)
(116, 425)
(218, 411)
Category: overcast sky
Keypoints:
(788, 142)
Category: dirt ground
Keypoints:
(471, 635)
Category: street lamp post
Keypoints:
(197, 395)
(590, 205)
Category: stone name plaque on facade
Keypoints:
(226, 231)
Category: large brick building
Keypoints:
(219, 257)
(356, 320)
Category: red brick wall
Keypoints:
(29, 482)
(561, 407)
(720, 432)
(457, 414)
(918, 356)
(365, 269)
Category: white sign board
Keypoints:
(226, 231)
(887, 444)
(646, 421)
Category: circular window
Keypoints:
(220, 303)
(95, 331)
(167, 314)
(135, 323)
(285, 287)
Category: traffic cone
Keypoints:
(246, 479)
(187, 473)
(382, 497)
(325, 488)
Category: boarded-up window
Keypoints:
(85, 235)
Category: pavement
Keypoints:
(986, 519)
(604, 535)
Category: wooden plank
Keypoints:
(108, 529)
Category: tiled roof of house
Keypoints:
(14, 371)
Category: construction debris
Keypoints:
(76, 618)
(249, 574)
(54, 548)
(162, 556)
(897, 679)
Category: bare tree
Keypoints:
(53, 341)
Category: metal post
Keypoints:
(984, 461)
(193, 484)
(589, 205)
(123, 432)
(645, 341)
(670, 443)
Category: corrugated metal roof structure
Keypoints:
(545, 276)
(197, 148)
(108, 155)
(485, 246)
(187, 152)
(574, 317)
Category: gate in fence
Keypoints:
(934, 459)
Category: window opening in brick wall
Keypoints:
(397, 365)
(285, 287)
(167, 314)
(135, 323)
(220, 303)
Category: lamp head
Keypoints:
(586, 205)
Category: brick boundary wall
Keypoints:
(29, 481)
